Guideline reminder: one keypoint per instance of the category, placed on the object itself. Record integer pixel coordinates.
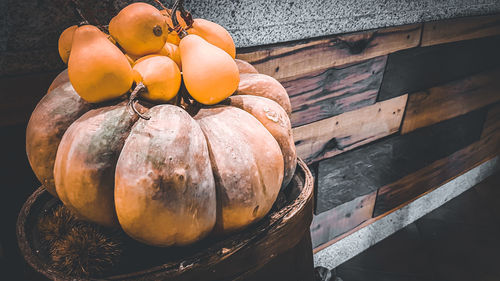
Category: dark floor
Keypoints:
(458, 241)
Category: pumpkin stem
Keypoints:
(177, 27)
(133, 99)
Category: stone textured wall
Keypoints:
(29, 29)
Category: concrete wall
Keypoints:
(29, 29)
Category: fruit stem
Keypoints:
(161, 5)
(177, 27)
(79, 12)
(186, 16)
(85, 12)
(133, 99)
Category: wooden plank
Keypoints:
(418, 69)
(450, 100)
(325, 93)
(21, 94)
(301, 57)
(368, 168)
(332, 223)
(492, 123)
(411, 186)
(445, 31)
(344, 132)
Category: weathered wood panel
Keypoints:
(20, 94)
(418, 69)
(325, 93)
(411, 186)
(368, 168)
(492, 123)
(298, 58)
(332, 223)
(450, 100)
(445, 31)
(344, 132)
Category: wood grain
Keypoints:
(435, 174)
(466, 28)
(298, 58)
(418, 69)
(20, 95)
(344, 132)
(450, 100)
(325, 93)
(363, 170)
(492, 123)
(332, 223)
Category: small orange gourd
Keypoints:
(172, 51)
(160, 75)
(213, 34)
(140, 29)
(65, 42)
(210, 74)
(169, 50)
(97, 69)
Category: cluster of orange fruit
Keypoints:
(144, 47)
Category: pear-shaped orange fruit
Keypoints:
(97, 69)
(160, 75)
(213, 34)
(140, 29)
(144, 58)
(65, 41)
(172, 51)
(210, 74)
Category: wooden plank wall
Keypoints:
(384, 116)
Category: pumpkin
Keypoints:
(172, 179)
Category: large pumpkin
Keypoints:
(172, 179)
